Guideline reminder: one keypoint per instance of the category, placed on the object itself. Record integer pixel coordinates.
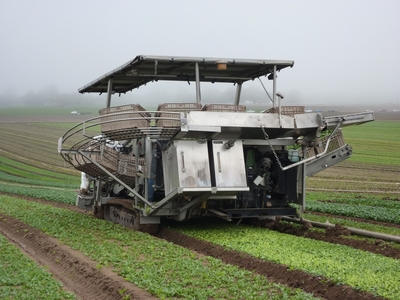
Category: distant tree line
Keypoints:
(49, 96)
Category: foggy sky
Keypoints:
(344, 51)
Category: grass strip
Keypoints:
(21, 278)
(362, 270)
(382, 214)
(164, 269)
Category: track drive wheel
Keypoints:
(121, 212)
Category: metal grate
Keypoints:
(108, 160)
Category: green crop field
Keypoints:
(375, 143)
(362, 192)
(45, 111)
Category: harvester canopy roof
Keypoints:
(143, 69)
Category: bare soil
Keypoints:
(76, 272)
(81, 276)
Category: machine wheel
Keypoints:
(120, 215)
(120, 211)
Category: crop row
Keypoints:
(21, 278)
(68, 197)
(27, 181)
(33, 161)
(48, 133)
(345, 172)
(355, 199)
(164, 269)
(32, 133)
(362, 270)
(22, 171)
(32, 139)
(349, 170)
(35, 140)
(347, 196)
(51, 194)
(382, 214)
(27, 148)
(51, 159)
(47, 130)
(351, 185)
(354, 224)
(227, 233)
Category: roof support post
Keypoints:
(238, 92)
(274, 87)
(109, 92)
(302, 199)
(198, 94)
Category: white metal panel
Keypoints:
(229, 166)
(238, 119)
(186, 165)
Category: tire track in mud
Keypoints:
(77, 273)
(316, 285)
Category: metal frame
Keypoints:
(274, 130)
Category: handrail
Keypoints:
(317, 155)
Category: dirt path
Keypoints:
(81, 276)
(77, 273)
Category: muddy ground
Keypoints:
(81, 276)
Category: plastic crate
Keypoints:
(179, 106)
(127, 165)
(136, 115)
(310, 152)
(337, 141)
(287, 110)
(224, 107)
(174, 107)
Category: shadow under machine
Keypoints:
(190, 159)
